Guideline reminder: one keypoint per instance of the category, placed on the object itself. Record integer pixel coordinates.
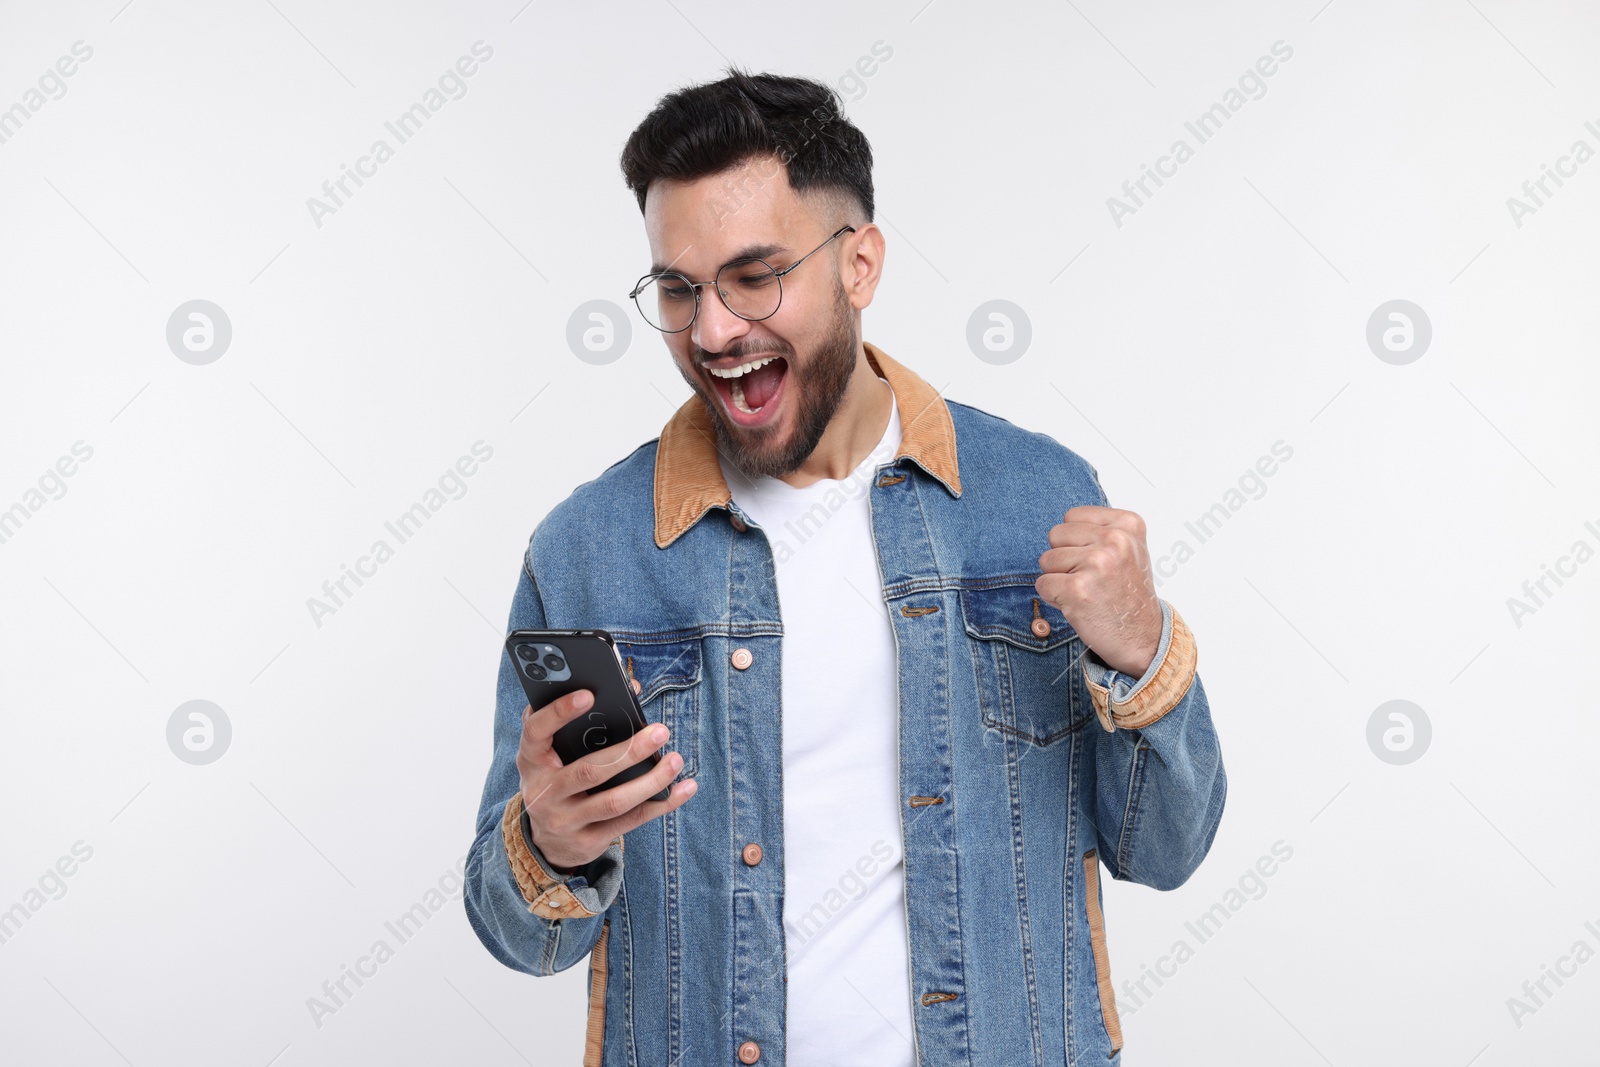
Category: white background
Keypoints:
(371, 352)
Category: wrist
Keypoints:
(553, 867)
(1137, 662)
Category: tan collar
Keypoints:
(689, 479)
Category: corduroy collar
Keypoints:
(689, 479)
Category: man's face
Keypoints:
(767, 420)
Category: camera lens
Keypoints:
(535, 671)
(554, 662)
(529, 652)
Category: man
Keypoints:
(904, 782)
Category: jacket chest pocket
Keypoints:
(668, 673)
(1027, 662)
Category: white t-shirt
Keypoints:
(849, 984)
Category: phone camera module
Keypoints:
(542, 662)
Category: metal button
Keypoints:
(749, 1052)
(1041, 627)
(742, 658)
(737, 523)
(751, 854)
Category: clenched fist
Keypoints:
(1097, 574)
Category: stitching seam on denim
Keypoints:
(1019, 867)
(1130, 818)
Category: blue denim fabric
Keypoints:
(994, 720)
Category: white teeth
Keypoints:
(743, 368)
(735, 386)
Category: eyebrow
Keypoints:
(762, 251)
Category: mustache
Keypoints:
(701, 357)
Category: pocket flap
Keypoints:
(1007, 613)
(659, 665)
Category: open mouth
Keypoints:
(751, 391)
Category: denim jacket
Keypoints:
(1026, 764)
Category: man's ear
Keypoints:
(864, 266)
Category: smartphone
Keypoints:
(553, 663)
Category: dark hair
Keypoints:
(709, 128)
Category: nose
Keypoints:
(715, 327)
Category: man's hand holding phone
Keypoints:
(571, 827)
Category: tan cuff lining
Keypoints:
(1160, 694)
(546, 893)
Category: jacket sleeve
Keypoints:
(1159, 780)
(529, 917)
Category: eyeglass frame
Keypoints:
(645, 281)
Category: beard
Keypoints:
(817, 384)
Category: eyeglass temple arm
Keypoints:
(814, 251)
(648, 278)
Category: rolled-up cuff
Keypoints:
(550, 895)
(1133, 705)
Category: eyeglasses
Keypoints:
(750, 288)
